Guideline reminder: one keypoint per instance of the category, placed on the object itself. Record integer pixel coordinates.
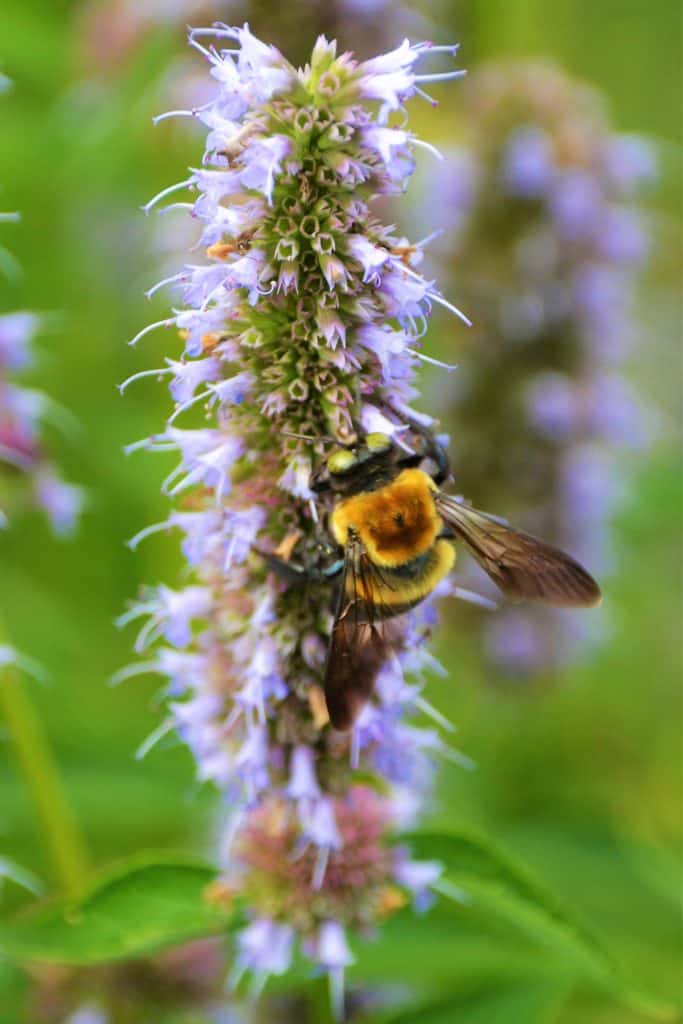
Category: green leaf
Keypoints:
(507, 890)
(534, 1003)
(142, 906)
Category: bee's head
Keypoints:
(371, 462)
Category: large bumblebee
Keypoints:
(398, 532)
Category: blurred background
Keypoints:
(575, 728)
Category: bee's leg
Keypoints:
(443, 466)
(431, 449)
(289, 572)
(330, 572)
(293, 573)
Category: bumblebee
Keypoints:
(398, 532)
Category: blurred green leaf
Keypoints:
(141, 907)
(508, 890)
(533, 1003)
(13, 988)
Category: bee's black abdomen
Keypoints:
(353, 664)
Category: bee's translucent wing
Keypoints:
(361, 641)
(523, 567)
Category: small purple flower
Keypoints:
(419, 877)
(575, 204)
(332, 949)
(17, 331)
(302, 781)
(266, 947)
(62, 502)
(318, 823)
(553, 405)
(263, 163)
(527, 163)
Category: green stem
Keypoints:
(41, 777)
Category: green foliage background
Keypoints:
(581, 777)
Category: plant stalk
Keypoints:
(38, 768)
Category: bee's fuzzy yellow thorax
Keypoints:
(396, 523)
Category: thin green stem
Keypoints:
(38, 767)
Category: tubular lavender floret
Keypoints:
(303, 325)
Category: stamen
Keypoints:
(153, 738)
(140, 668)
(150, 444)
(167, 280)
(143, 373)
(449, 306)
(428, 48)
(175, 206)
(173, 475)
(473, 598)
(428, 146)
(10, 656)
(457, 757)
(198, 46)
(147, 532)
(425, 96)
(166, 192)
(435, 715)
(452, 891)
(218, 31)
(150, 632)
(187, 405)
(434, 362)
(445, 76)
(151, 327)
(141, 608)
(429, 238)
(181, 113)
(171, 113)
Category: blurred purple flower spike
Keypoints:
(22, 415)
(549, 240)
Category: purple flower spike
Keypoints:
(305, 319)
(549, 239)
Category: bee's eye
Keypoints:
(378, 443)
(342, 461)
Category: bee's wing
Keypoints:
(360, 643)
(523, 567)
